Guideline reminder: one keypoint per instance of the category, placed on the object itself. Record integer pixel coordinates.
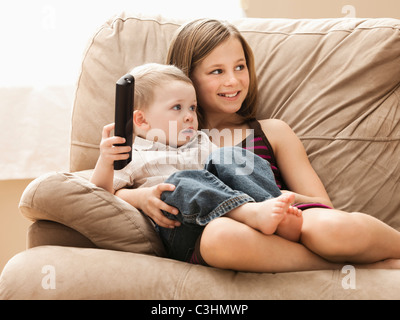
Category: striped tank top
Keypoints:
(259, 144)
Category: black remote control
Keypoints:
(124, 96)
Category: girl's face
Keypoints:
(222, 78)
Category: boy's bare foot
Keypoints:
(267, 216)
(272, 212)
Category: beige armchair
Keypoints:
(335, 82)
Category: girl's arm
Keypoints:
(294, 164)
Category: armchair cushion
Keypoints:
(106, 220)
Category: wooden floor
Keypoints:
(13, 226)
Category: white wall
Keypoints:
(43, 40)
(316, 9)
(42, 43)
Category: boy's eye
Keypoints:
(177, 107)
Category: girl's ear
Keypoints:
(139, 120)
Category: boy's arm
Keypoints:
(103, 174)
(146, 199)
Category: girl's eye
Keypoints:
(177, 107)
(193, 108)
(218, 71)
(241, 67)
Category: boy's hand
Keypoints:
(152, 205)
(149, 201)
(103, 173)
(108, 152)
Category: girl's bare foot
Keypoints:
(290, 226)
(384, 264)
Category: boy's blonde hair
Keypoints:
(149, 77)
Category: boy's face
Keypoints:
(172, 116)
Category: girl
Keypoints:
(221, 65)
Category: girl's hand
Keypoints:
(299, 198)
(108, 152)
(149, 201)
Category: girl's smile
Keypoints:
(230, 96)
